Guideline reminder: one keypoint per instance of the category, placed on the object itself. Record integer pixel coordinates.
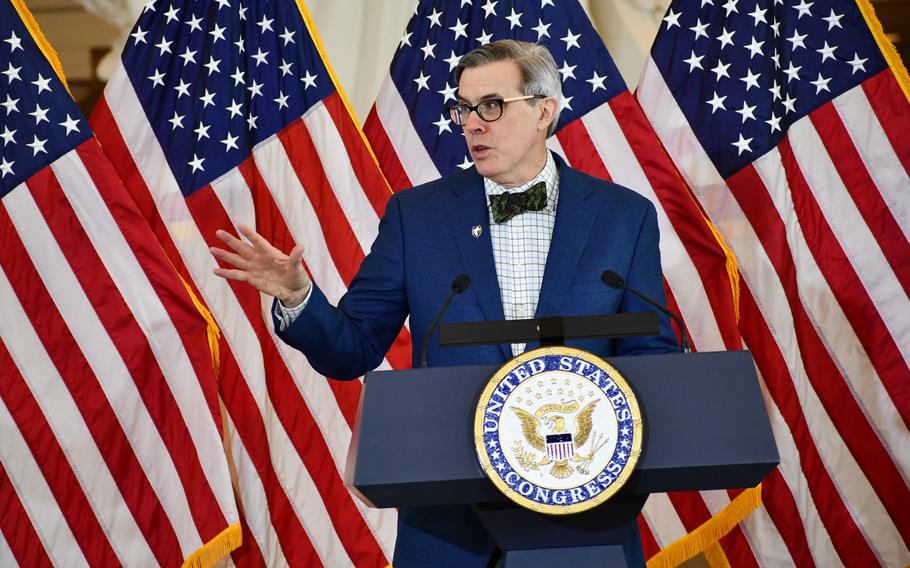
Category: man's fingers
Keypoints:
(231, 274)
(230, 240)
(230, 258)
(257, 240)
(296, 256)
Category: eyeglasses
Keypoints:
(488, 110)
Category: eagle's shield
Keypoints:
(560, 447)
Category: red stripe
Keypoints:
(580, 150)
(385, 152)
(684, 212)
(891, 107)
(755, 202)
(289, 405)
(17, 529)
(127, 335)
(777, 498)
(648, 542)
(871, 331)
(248, 555)
(35, 430)
(693, 513)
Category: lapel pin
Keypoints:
(476, 231)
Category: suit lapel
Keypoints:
(466, 211)
(575, 215)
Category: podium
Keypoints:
(705, 427)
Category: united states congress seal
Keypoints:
(558, 430)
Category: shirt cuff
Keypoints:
(286, 315)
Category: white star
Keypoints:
(237, 76)
(172, 14)
(773, 122)
(188, 56)
(485, 38)
(265, 24)
(489, 9)
(453, 60)
(157, 79)
(242, 10)
(226, 4)
(747, 112)
(42, 83)
(150, 5)
(803, 9)
(287, 36)
(139, 36)
(212, 65)
(428, 49)
(405, 40)
(797, 40)
(775, 90)
(857, 64)
(792, 72)
(196, 163)
(176, 121)
(750, 79)
(726, 38)
(230, 142)
(775, 27)
(163, 46)
(754, 47)
(827, 52)
(571, 40)
(443, 124)
(759, 15)
(255, 89)
(743, 144)
(821, 84)
(308, 80)
(11, 105)
(730, 7)
(6, 168)
(434, 18)
(39, 114)
(251, 121)
(789, 103)
(285, 67)
(566, 103)
(833, 20)
(699, 29)
(182, 89)
(12, 73)
(466, 163)
(7, 135)
(448, 93)
(597, 82)
(422, 82)
(514, 19)
(721, 69)
(544, 3)
(706, 2)
(14, 41)
(240, 46)
(282, 100)
(717, 102)
(193, 23)
(202, 131)
(71, 124)
(207, 99)
(459, 29)
(217, 33)
(775, 57)
(672, 18)
(260, 56)
(234, 109)
(541, 29)
(567, 71)
(694, 61)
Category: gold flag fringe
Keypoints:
(214, 550)
(886, 47)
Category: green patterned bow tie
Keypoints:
(507, 205)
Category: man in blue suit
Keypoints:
(532, 234)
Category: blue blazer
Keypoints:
(425, 239)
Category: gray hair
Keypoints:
(539, 75)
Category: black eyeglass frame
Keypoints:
(455, 111)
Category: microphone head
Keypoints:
(461, 283)
(612, 279)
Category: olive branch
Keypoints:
(525, 459)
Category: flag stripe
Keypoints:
(385, 152)
(580, 151)
(648, 543)
(396, 121)
(890, 105)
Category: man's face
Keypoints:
(511, 150)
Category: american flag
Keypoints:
(226, 112)
(790, 125)
(603, 132)
(110, 448)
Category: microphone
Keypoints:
(614, 280)
(459, 285)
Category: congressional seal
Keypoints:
(558, 430)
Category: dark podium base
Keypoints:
(606, 556)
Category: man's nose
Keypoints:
(473, 122)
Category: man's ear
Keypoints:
(546, 110)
